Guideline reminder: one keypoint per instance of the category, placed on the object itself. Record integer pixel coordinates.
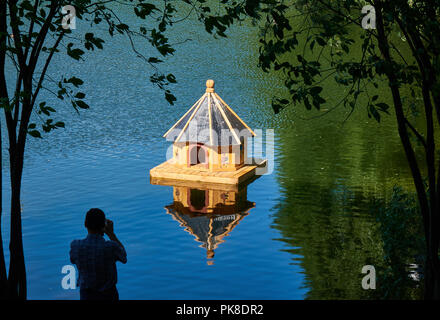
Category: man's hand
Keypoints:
(108, 229)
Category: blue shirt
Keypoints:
(96, 259)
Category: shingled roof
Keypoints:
(210, 121)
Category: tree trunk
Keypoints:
(428, 209)
(17, 270)
(432, 263)
(4, 95)
(432, 278)
(3, 275)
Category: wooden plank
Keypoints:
(167, 171)
(247, 175)
(194, 184)
(210, 118)
(192, 177)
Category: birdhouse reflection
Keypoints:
(209, 215)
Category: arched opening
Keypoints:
(198, 155)
(198, 200)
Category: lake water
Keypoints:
(308, 235)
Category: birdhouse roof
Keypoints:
(210, 121)
(206, 228)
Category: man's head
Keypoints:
(95, 221)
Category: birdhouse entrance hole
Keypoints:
(198, 155)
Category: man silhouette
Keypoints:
(96, 258)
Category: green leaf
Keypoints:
(319, 99)
(75, 81)
(162, 26)
(375, 113)
(82, 104)
(122, 27)
(276, 107)
(307, 103)
(383, 107)
(35, 133)
(170, 97)
(154, 60)
(171, 78)
(321, 41)
(74, 53)
(144, 9)
(80, 95)
(315, 90)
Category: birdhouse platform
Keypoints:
(209, 146)
(168, 173)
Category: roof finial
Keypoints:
(209, 85)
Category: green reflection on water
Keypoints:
(330, 171)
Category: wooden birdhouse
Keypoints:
(210, 135)
(209, 144)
